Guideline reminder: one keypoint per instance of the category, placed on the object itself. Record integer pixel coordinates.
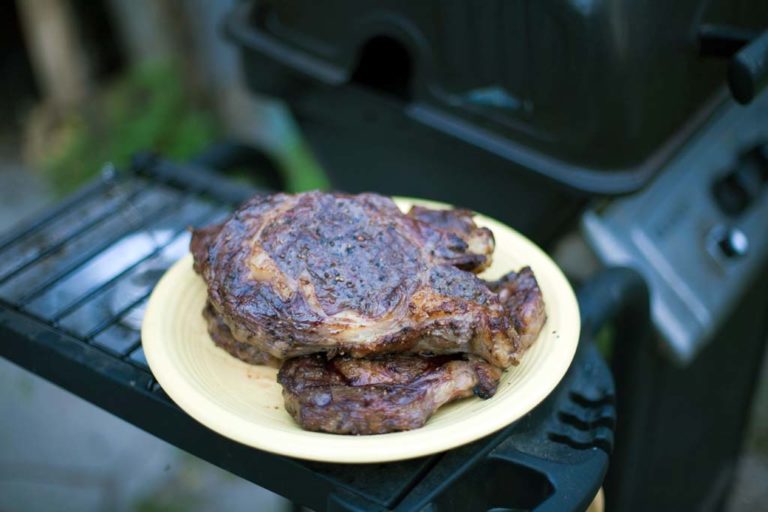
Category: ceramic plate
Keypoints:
(243, 402)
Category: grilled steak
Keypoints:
(385, 393)
(299, 274)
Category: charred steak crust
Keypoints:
(465, 245)
(385, 393)
(202, 239)
(314, 272)
(522, 295)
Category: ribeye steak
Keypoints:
(350, 274)
(384, 393)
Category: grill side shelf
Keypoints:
(99, 356)
(131, 393)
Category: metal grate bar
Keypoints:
(69, 256)
(138, 358)
(84, 319)
(113, 230)
(140, 298)
(120, 314)
(118, 339)
(96, 311)
(87, 295)
(111, 249)
(90, 294)
(82, 194)
(123, 309)
(118, 259)
(61, 235)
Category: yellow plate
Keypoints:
(244, 402)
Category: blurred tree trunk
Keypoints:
(56, 52)
(161, 32)
(144, 29)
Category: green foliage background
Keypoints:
(149, 108)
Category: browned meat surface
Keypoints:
(222, 337)
(459, 230)
(300, 274)
(385, 393)
(201, 242)
(522, 296)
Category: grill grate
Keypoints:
(88, 267)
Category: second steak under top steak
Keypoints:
(222, 337)
(350, 274)
(385, 393)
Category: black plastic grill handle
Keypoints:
(748, 70)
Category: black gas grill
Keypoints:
(605, 122)
(558, 116)
(73, 286)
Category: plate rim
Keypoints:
(328, 447)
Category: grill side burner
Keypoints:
(699, 235)
(70, 310)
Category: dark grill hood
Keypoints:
(592, 93)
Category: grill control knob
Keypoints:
(733, 243)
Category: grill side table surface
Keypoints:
(73, 286)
